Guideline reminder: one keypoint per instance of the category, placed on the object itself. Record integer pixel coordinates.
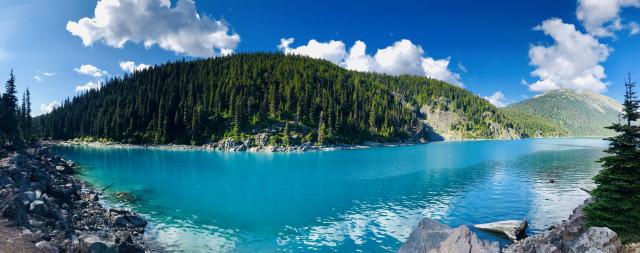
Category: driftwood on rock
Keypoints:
(513, 229)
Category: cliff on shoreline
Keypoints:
(42, 204)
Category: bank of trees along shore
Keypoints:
(616, 200)
(16, 127)
(201, 101)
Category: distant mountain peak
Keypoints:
(583, 113)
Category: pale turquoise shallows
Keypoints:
(344, 201)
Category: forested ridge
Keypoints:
(302, 99)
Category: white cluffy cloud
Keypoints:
(131, 66)
(90, 70)
(89, 86)
(601, 18)
(498, 99)
(39, 75)
(402, 57)
(47, 108)
(572, 62)
(154, 22)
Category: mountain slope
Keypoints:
(294, 99)
(580, 113)
(531, 125)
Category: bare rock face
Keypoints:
(432, 237)
(511, 228)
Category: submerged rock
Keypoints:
(124, 218)
(126, 196)
(434, 237)
(513, 229)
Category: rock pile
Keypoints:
(570, 236)
(60, 213)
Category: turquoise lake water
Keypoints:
(365, 200)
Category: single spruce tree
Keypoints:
(616, 200)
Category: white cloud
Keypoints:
(90, 70)
(358, 59)
(439, 69)
(402, 57)
(131, 67)
(462, 67)
(154, 22)
(601, 18)
(333, 51)
(498, 99)
(89, 86)
(572, 62)
(634, 28)
(47, 108)
(39, 75)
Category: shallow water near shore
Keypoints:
(364, 200)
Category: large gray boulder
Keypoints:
(431, 236)
(427, 235)
(94, 244)
(463, 240)
(511, 228)
(596, 239)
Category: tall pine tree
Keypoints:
(616, 201)
(9, 122)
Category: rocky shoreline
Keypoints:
(570, 236)
(229, 144)
(57, 212)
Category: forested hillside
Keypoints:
(298, 98)
(580, 113)
(532, 125)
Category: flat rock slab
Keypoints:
(511, 228)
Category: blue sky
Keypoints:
(484, 46)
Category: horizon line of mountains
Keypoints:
(298, 99)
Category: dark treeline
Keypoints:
(196, 102)
(15, 120)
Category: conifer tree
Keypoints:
(9, 109)
(286, 140)
(321, 130)
(616, 200)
